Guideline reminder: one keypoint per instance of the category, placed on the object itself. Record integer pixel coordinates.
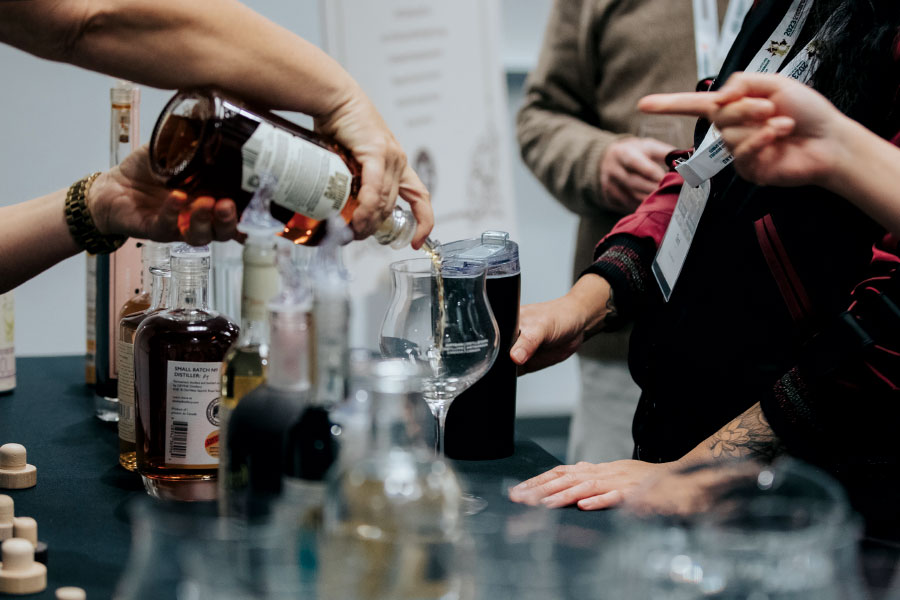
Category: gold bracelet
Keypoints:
(81, 224)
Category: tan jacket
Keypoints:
(598, 58)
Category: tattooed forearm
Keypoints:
(749, 435)
(611, 319)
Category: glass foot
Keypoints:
(472, 505)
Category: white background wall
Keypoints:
(54, 128)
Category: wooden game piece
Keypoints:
(19, 573)
(15, 472)
(6, 517)
(26, 528)
(70, 593)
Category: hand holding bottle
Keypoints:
(356, 124)
(129, 200)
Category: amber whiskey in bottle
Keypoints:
(156, 270)
(207, 143)
(178, 356)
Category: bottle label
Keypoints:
(193, 391)
(310, 180)
(7, 342)
(125, 362)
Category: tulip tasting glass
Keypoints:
(443, 322)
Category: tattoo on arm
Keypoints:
(749, 435)
(611, 319)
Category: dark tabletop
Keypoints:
(82, 496)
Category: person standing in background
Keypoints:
(582, 136)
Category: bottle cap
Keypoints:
(155, 254)
(493, 247)
(185, 258)
(124, 93)
(20, 574)
(15, 472)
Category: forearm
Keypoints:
(172, 44)
(866, 172)
(747, 436)
(33, 237)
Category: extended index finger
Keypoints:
(698, 104)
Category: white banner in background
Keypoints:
(434, 71)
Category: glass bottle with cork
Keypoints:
(257, 426)
(178, 356)
(155, 259)
(245, 365)
(208, 143)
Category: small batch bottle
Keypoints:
(245, 365)
(155, 258)
(7, 343)
(178, 356)
(208, 143)
(258, 424)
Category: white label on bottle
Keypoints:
(125, 362)
(310, 179)
(193, 390)
(7, 342)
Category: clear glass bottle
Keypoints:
(245, 365)
(331, 315)
(208, 143)
(178, 356)
(7, 343)
(116, 276)
(257, 426)
(393, 520)
(155, 258)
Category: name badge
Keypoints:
(679, 236)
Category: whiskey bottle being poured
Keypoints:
(207, 143)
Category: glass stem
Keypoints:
(440, 419)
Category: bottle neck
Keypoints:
(392, 427)
(290, 353)
(190, 291)
(159, 290)
(259, 284)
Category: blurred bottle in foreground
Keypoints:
(393, 518)
(7, 343)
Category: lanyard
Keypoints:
(711, 156)
(711, 43)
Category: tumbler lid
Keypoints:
(493, 248)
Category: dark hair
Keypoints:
(857, 69)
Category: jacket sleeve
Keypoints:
(840, 404)
(625, 255)
(558, 126)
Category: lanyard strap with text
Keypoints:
(711, 156)
(710, 42)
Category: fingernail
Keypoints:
(518, 355)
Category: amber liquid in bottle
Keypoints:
(178, 361)
(200, 145)
(128, 327)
